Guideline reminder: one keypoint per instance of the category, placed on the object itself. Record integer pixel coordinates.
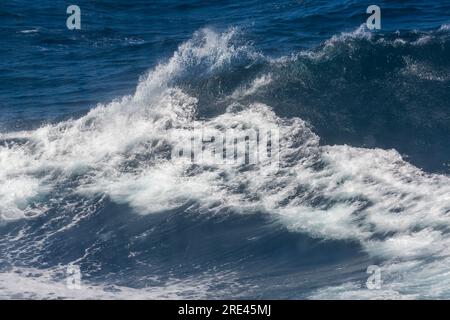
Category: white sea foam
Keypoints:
(424, 71)
(362, 32)
(394, 210)
(31, 283)
(257, 84)
(30, 31)
(445, 27)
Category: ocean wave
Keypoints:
(121, 151)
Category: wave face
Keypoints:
(358, 116)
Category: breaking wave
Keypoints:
(61, 174)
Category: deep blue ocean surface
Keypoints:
(88, 118)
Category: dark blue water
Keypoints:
(80, 183)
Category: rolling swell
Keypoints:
(101, 191)
(364, 89)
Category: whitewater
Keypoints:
(62, 173)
